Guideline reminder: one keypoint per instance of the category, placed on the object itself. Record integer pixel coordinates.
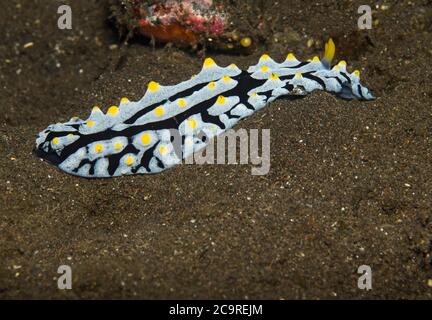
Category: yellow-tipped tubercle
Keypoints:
(221, 100)
(209, 62)
(113, 110)
(153, 86)
(291, 56)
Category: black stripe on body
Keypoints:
(180, 95)
(245, 84)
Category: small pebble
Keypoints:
(28, 45)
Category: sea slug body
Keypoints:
(135, 137)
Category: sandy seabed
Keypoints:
(350, 182)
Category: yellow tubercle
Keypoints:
(159, 111)
(129, 160)
(153, 86)
(162, 150)
(316, 59)
(227, 78)
(182, 103)
(342, 63)
(55, 140)
(117, 146)
(265, 57)
(336, 68)
(192, 123)
(233, 66)
(124, 100)
(291, 56)
(265, 69)
(96, 109)
(113, 111)
(211, 85)
(98, 148)
(90, 123)
(209, 62)
(146, 138)
(356, 73)
(221, 100)
(298, 75)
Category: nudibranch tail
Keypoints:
(170, 123)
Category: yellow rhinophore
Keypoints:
(330, 50)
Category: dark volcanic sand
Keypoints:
(350, 182)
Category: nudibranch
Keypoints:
(136, 137)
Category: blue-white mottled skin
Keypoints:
(135, 138)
